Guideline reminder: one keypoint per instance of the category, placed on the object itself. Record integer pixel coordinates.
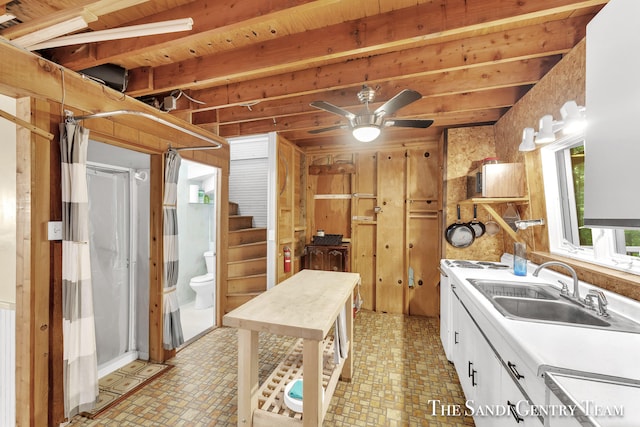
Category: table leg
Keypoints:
(247, 376)
(312, 408)
(347, 369)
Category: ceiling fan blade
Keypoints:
(328, 128)
(322, 105)
(402, 99)
(409, 123)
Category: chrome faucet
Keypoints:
(576, 291)
(599, 297)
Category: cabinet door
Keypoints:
(315, 256)
(335, 260)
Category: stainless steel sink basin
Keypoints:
(542, 302)
(493, 288)
(553, 311)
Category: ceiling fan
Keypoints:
(367, 125)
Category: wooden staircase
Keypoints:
(247, 259)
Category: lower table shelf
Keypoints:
(271, 407)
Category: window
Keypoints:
(563, 171)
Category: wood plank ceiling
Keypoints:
(253, 66)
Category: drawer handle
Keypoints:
(473, 378)
(455, 338)
(514, 412)
(470, 369)
(515, 372)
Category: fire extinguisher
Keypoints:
(287, 259)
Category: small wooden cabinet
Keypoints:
(328, 258)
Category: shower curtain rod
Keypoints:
(216, 144)
(202, 147)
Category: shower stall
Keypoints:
(118, 238)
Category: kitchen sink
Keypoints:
(542, 302)
(552, 311)
(512, 289)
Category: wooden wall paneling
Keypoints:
(332, 202)
(390, 263)
(423, 229)
(156, 183)
(423, 247)
(364, 226)
(566, 81)
(299, 207)
(425, 177)
(466, 147)
(287, 173)
(33, 278)
(56, 374)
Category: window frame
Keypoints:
(556, 172)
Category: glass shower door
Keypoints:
(111, 245)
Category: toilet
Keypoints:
(204, 286)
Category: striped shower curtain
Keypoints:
(78, 329)
(172, 328)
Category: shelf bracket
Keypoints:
(502, 222)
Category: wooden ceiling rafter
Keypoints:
(256, 66)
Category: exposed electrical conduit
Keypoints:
(216, 144)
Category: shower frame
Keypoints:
(131, 353)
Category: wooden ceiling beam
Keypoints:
(522, 43)
(89, 10)
(210, 19)
(493, 76)
(401, 28)
(491, 98)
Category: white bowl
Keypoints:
(291, 402)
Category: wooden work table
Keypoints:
(305, 306)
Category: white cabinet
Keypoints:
(491, 384)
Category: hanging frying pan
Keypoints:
(478, 227)
(460, 234)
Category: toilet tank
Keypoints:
(208, 260)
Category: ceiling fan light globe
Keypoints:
(366, 133)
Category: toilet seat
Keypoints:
(202, 279)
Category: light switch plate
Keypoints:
(54, 230)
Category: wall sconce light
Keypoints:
(573, 118)
(527, 143)
(573, 121)
(546, 132)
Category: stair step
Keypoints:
(247, 284)
(240, 222)
(247, 251)
(233, 208)
(247, 267)
(235, 301)
(248, 235)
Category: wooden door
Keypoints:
(390, 265)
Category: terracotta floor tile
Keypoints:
(399, 366)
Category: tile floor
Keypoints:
(193, 321)
(399, 367)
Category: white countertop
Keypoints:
(542, 344)
(597, 401)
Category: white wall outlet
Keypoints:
(54, 230)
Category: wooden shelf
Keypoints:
(494, 200)
(271, 407)
(486, 203)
